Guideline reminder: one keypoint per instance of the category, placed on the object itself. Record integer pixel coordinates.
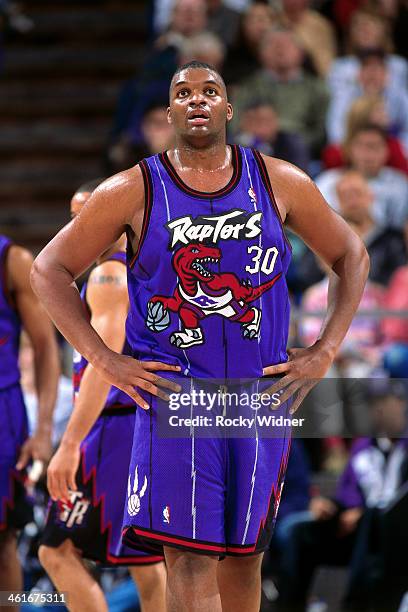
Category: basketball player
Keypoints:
(19, 308)
(80, 476)
(207, 259)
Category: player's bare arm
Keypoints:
(107, 298)
(41, 333)
(114, 207)
(305, 211)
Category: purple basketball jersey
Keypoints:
(116, 398)
(207, 290)
(207, 283)
(10, 326)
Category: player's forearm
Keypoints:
(89, 404)
(346, 286)
(57, 290)
(47, 371)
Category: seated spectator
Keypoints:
(260, 129)
(188, 18)
(157, 136)
(344, 529)
(314, 31)
(243, 58)
(385, 245)
(396, 298)
(368, 30)
(223, 21)
(367, 153)
(222, 18)
(362, 346)
(300, 100)
(205, 47)
(366, 109)
(373, 80)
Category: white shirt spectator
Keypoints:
(390, 188)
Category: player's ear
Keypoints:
(230, 111)
(169, 115)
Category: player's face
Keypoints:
(78, 202)
(199, 109)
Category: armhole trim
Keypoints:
(268, 186)
(148, 190)
(3, 278)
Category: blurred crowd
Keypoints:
(324, 85)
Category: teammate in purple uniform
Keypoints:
(207, 259)
(87, 477)
(19, 308)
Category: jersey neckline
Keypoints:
(236, 160)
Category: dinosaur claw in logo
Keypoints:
(188, 337)
(133, 502)
(251, 330)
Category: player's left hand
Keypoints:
(303, 370)
(37, 447)
(62, 471)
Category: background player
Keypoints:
(213, 175)
(79, 475)
(19, 308)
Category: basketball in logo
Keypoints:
(158, 318)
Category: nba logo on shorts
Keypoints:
(166, 515)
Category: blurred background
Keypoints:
(322, 84)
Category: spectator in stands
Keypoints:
(140, 94)
(396, 298)
(300, 100)
(204, 47)
(344, 531)
(314, 31)
(364, 110)
(361, 349)
(259, 125)
(367, 153)
(368, 30)
(223, 21)
(157, 135)
(243, 57)
(385, 246)
(373, 80)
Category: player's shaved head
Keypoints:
(196, 65)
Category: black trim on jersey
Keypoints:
(267, 184)
(236, 160)
(3, 280)
(148, 190)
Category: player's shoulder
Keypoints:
(18, 267)
(18, 263)
(125, 185)
(286, 177)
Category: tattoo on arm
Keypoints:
(107, 280)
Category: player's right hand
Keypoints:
(62, 470)
(128, 373)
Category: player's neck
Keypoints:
(215, 157)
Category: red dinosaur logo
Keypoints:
(202, 292)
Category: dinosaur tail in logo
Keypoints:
(258, 291)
